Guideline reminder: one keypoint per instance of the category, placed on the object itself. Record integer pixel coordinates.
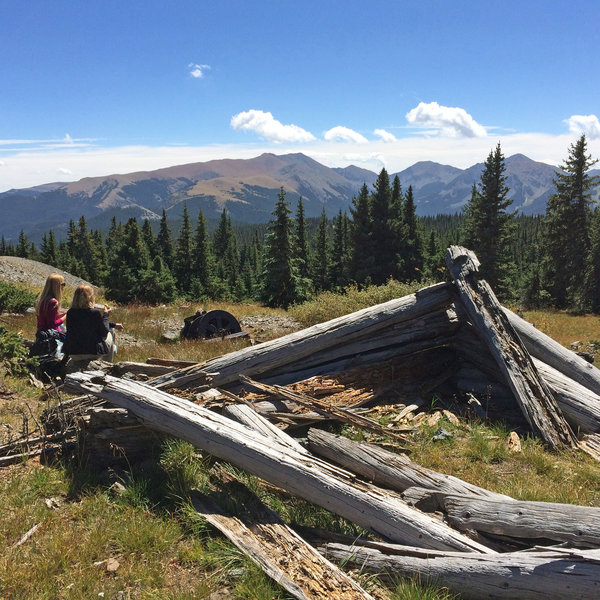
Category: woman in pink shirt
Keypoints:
(47, 307)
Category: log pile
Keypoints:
(453, 341)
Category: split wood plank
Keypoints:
(380, 511)
(335, 412)
(282, 554)
(531, 392)
(294, 347)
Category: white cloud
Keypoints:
(446, 121)
(344, 134)
(269, 128)
(1, 163)
(588, 124)
(63, 171)
(26, 166)
(198, 71)
(385, 136)
(68, 139)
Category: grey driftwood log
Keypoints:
(553, 354)
(367, 324)
(467, 506)
(531, 392)
(538, 574)
(378, 510)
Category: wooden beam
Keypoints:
(531, 392)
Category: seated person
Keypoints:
(47, 307)
(89, 333)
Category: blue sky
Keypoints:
(93, 88)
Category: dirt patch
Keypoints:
(267, 327)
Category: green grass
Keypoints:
(164, 549)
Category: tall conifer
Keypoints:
(488, 226)
(567, 236)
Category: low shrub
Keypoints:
(14, 299)
(329, 305)
(13, 353)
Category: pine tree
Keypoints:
(338, 268)
(22, 249)
(361, 252)
(281, 285)
(203, 262)
(301, 249)
(413, 245)
(382, 241)
(148, 237)
(320, 270)
(3, 247)
(49, 249)
(591, 286)
(182, 263)
(567, 236)
(128, 266)
(164, 242)
(488, 225)
(114, 239)
(157, 284)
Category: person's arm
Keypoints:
(54, 317)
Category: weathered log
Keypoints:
(380, 511)
(246, 415)
(578, 525)
(467, 506)
(388, 469)
(137, 368)
(292, 348)
(170, 362)
(277, 549)
(580, 406)
(553, 354)
(531, 392)
(542, 574)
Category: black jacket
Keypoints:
(86, 328)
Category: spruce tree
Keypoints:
(164, 242)
(157, 284)
(567, 236)
(128, 266)
(338, 271)
(22, 249)
(489, 227)
(301, 248)
(280, 282)
(49, 249)
(382, 241)
(413, 245)
(361, 252)
(182, 263)
(203, 262)
(591, 283)
(320, 270)
(148, 237)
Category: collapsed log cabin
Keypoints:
(433, 322)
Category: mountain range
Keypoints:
(248, 190)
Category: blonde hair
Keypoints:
(52, 289)
(83, 297)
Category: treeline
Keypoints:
(538, 261)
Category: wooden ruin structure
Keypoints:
(450, 338)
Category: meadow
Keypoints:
(142, 539)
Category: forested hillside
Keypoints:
(537, 260)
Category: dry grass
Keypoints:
(565, 327)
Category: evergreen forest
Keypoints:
(537, 261)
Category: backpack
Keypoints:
(45, 343)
